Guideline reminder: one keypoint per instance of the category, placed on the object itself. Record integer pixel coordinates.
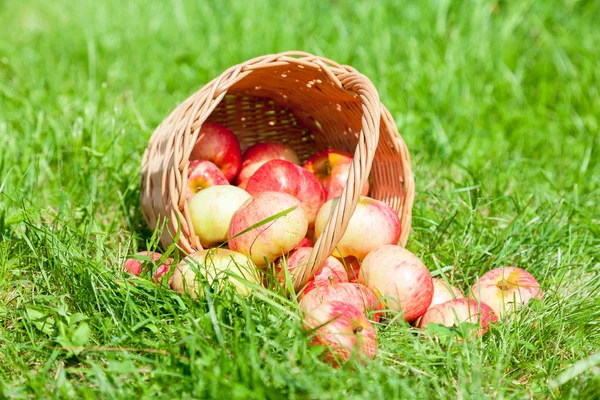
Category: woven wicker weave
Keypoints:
(307, 102)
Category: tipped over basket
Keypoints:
(307, 102)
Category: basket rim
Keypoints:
(190, 114)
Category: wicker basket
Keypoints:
(307, 102)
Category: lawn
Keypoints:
(498, 102)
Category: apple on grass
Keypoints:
(283, 176)
(216, 267)
(392, 271)
(373, 224)
(203, 174)
(443, 292)
(331, 167)
(211, 211)
(147, 260)
(267, 226)
(506, 289)
(219, 145)
(454, 312)
(256, 155)
(343, 331)
(355, 294)
(331, 272)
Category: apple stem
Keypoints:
(503, 284)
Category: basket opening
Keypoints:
(301, 107)
(260, 119)
(296, 101)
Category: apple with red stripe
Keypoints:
(443, 292)
(219, 145)
(351, 293)
(454, 312)
(331, 167)
(330, 273)
(258, 154)
(304, 243)
(283, 176)
(373, 224)
(203, 174)
(343, 331)
(395, 273)
(272, 239)
(506, 289)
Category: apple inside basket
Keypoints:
(303, 101)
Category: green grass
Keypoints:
(498, 102)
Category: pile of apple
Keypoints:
(261, 211)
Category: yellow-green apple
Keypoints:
(256, 155)
(283, 176)
(443, 292)
(454, 312)
(331, 167)
(342, 330)
(395, 273)
(216, 267)
(219, 145)
(355, 294)
(202, 174)
(505, 289)
(211, 210)
(274, 238)
(147, 260)
(331, 272)
(373, 224)
(352, 268)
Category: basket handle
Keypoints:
(360, 168)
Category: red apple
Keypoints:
(454, 312)
(218, 267)
(343, 330)
(162, 270)
(331, 272)
(211, 211)
(331, 167)
(373, 224)
(352, 268)
(442, 292)
(505, 289)
(202, 174)
(255, 156)
(134, 265)
(304, 243)
(273, 239)
(283, 176)
(355, 294)
(396, 273)
(218, 144)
